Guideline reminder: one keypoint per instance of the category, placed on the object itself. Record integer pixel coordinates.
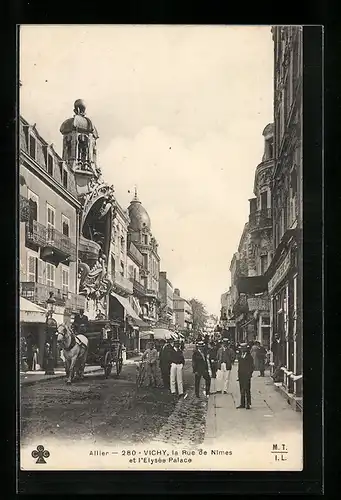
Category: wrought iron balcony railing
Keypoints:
(35, 233)
(39, 293)
(60, 242)
(138, 287)
(260, 219)
(39, 235)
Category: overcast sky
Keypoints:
(180, 112)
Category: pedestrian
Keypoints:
(176, 369)
(201, 368)
(213, 354)
(245, 370)
(253, 351)
(150, 357)
(260, 359)
(224, 366)
(165, 362)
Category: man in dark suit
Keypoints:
(81, 323)
(245, 370)
(201, 367)
(165, 362)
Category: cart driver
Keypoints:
(81, 323)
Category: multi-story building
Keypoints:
(182, 311)
(135, 272)
(226, 305)
(167, 316)
(141, 236)
(49, 225)
(285, 271)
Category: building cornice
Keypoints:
(32, 165)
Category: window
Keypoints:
(263, 263)
(50, 164)
(134, 274)
(51, 216)
(65, 279)
(50, 274)
(33, 205)
(122, 268)
(65, 178)
(25, 128)
(31, 268)
(65, 226)
(33, 146)
(40, 271)
(146, 239)
(122, 244)
(264, 200)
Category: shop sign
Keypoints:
(257, 304)
(279, 274)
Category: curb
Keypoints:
(52, 377)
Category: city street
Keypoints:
(111, 409)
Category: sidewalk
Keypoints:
(270, 420)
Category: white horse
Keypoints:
(75, 351)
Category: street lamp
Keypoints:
(51, 327)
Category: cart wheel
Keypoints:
(119, 364)
(107, 364)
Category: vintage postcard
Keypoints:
(160, 178)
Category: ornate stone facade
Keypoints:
(98, 210)
(285, 279)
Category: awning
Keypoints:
(147, 335)
(129, 310)
(162, 333)
(30, 312)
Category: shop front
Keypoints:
(284, 285)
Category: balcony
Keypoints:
(138, 288)
(56, 246)
(261, 219)
(123, 283)
(39, 293)
(35, 234)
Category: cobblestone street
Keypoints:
(112, 410)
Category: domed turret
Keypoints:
(79, 144)
(139, 218)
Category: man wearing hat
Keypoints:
(165, 362)
(177, 363)
(201, 368)
(245, 370)
(225, 357)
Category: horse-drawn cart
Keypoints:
(105, 348)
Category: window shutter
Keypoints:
(31, 268)
(40, 271)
